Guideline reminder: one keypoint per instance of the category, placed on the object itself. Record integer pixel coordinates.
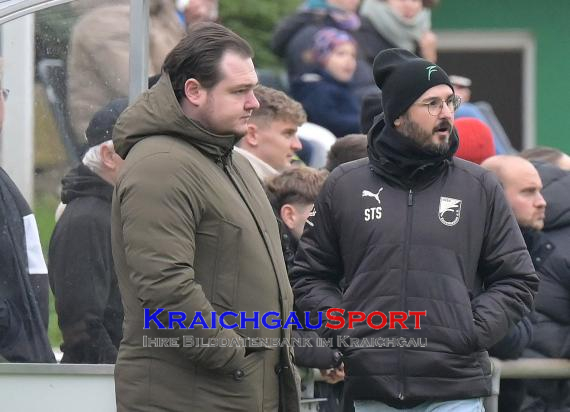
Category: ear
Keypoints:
(194, 92)
(251, 137)
(288, 214)
(398, 121)
(108, 157)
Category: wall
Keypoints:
(53, 387)
(548, 22)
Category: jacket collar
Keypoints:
(157, 113)
(262, 169)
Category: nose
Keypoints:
(296, 144)
(445, 109)
(251, 102)
(540, 202)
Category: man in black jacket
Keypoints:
(522, 185)
(82, 274)
(292, 195)
(551, 318)
(24, 285)
(413, 230)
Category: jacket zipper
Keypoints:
(409, 216)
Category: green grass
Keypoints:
(44, 210)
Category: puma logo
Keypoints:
(367, 193)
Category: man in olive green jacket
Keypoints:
(193, 232)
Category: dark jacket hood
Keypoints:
(556, 192)
(82, 182)
(292, 25)
(157, 113)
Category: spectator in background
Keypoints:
(82, 274)
(98, 61)
(271, 140)
(551, 317)
(462, 85)
(317, 141)
(24, 284)
(346, 149)
(547, 155)
(522, 186)
(293, 39)
(404, 24)
(292, 194)
(475, 140)
(327, 94)
(194, 11)
(482, 111)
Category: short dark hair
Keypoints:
(295, 185)
(542, 154)
(199, 53)
(347, 148)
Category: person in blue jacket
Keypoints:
(327, 94)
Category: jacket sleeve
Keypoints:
(505, 266)
(318, 268)
(309, 354)
(515, 342)
(81, 281)
(161, 208)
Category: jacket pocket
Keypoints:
(226, 265)
(473, 340)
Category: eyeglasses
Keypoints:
(435, 106)
(5, 93)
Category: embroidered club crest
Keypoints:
(449, 210)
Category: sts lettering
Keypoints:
(372, 213)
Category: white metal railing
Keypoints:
(66, 388)
(527, 368)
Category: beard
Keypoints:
(423, 138)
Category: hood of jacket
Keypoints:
(82, 182)
(292, 25)
(556, 192)
(157, 113)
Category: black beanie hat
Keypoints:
(101, 126)
(403, 77)
(371, 107)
